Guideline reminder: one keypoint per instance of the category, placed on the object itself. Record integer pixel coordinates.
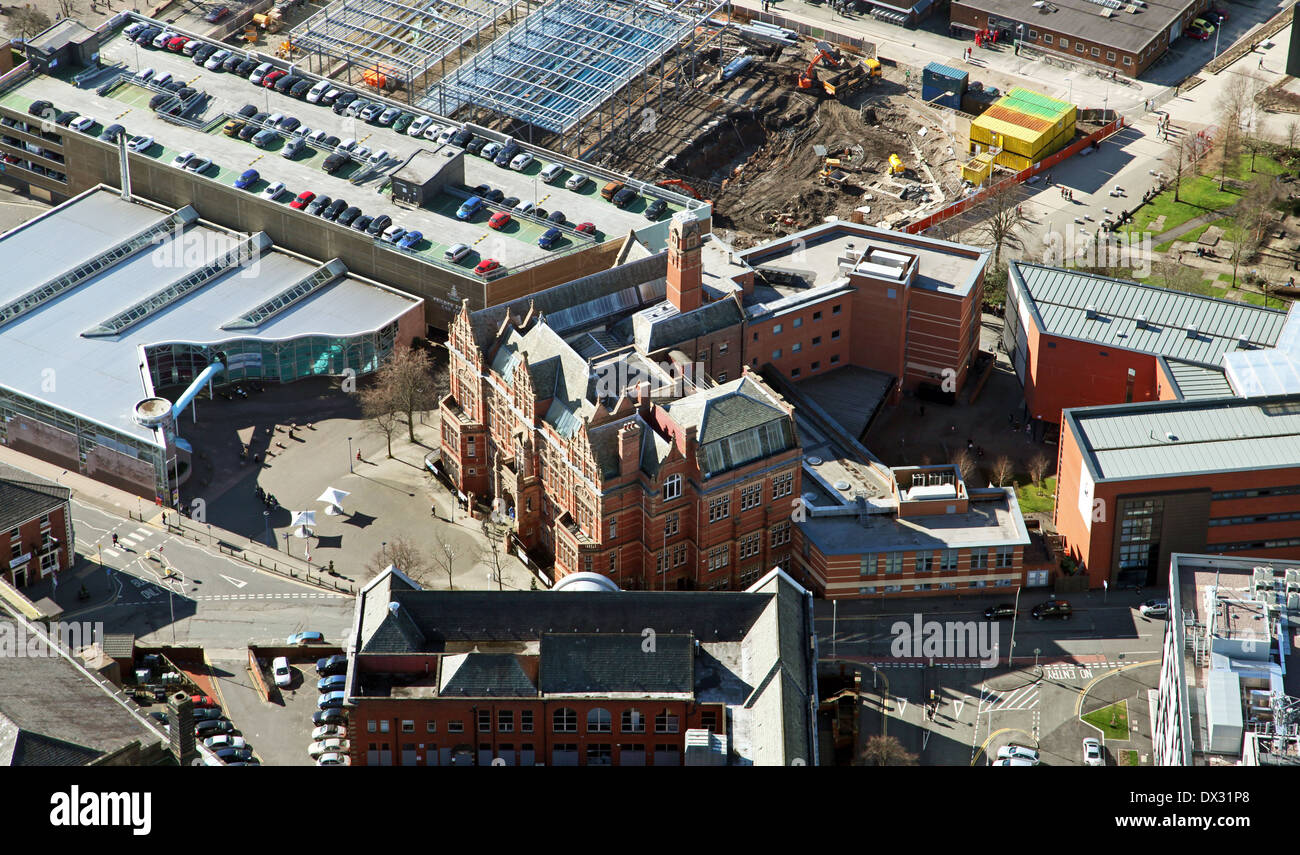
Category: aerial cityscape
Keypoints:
(649, 383)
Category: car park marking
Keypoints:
(256, 159)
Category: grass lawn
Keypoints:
(1036, 498)
(1129, 757)
(1102, 720)
(1199, 194)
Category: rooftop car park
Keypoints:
(220, 95)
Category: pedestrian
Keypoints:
(358, 455)
(970, 443)
(1261, 62)
(115, 538)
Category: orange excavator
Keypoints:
(680, 185)
(826, 53)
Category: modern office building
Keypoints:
(584, 674)
(1229, 690)
(111, 302)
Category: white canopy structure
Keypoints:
(305, 522)
(333, 499)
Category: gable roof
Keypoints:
(726, 409)
(24, 496)
(484, 675)
(573, 663)
(664, 326)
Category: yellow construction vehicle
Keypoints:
(270, 22)
(852, 76)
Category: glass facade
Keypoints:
(1140, 522)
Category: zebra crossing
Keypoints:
(130, 539)
(1023, 698)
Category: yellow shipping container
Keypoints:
(978, 169)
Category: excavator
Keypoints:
(850, 74)
(680, 185)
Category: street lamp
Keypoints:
(286, 543)
(349, 454)
(1037, 650)
(1014, 614)
(266, 525)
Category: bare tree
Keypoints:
(1001, 220)
(1234, 105)
(885, 751)
(965, 463)
(69, 8)
(1246, 230)
(1180, 158)
(409, 381)
(1177, 276)
(1292, 136)
(446, 557)
(379, 408)
(1002, 470)
(402, 554)
(493, 552)
(1038, 465)
(29, 21)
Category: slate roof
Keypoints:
(24, 496)
(479, 675)
(606, 662)
(726, 409)
(24, 748)
(663, 326)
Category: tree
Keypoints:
(28, 21)
(69, 8)
(1246, 230)
(402, 554)
(493, 552)
(1002, 470)
(1001, 220)
(1038, 465)
(445, 557)
(965, 463)
(380, 409)
(1177, 276)
(885, 751)
(1181, 159)
(1234, 105)
(409, 382)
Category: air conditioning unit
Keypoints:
(1092, 313)
(1193, 332)
(1141, 322)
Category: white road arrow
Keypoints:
(238, 583)
(902, 704)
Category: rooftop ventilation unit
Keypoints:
(1193, 333)
(1243, 343)
(1142, 322)
(1092, 313)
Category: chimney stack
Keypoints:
(685, 277)
(629, 448)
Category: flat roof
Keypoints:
(513, 246)
(1162, 439)
(1059, 300)
(99, 378)
(942, 266)
(1122, 29)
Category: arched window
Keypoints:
(565, 720)
(598, 721)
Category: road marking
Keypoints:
(111, 552)
(238, 583)
(1083, 693)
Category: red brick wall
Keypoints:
(30, 539)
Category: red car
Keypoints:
(269, 80)
(1197, 33)
(304, 199)
(585, 228)
(499, 219)
(202, 701)
(177, 44)
(486, 266)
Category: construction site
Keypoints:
(777, 130)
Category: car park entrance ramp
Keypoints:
(567, 58)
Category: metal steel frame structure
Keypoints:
(568, 58)
(400, 39)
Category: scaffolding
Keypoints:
(394, 44)
(568, 58)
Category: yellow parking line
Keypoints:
(123, 113)
(1083, 693)
(480, 240)
(256, 159)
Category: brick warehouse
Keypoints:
(623, 432)
(35, 527)
(581, 675)
(1128, 39)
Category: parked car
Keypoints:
(476, 145)
(335, 208)
(510, 202)
(556, 217)
(1001, 611)
(461, 137)
(333, 715)
(204, 701)
(163, 78)
(332, 683)
(1197, 33)
(378, 225)
(140, 143)
(1019, 752)
(402, 122)
(252, 129)
(273, 78)
(217, 14)
(232, 754)
(199, 165)
(327, 746)
(225, 740)
(551, 173)
(273, 192)
(486, 266)
(233, 127)
(265, 138)
(418, 126)
(1053, 609)
(159, 99)
(655, 209)
(247, 111)
(507, 153)
(292, 147)
(181, 160)
(362, 223)
(302, 200)
(356, 107)
(1012, 761)
(287, 123)
(343, 101)
(131, 30)
(372, 112)
(319, 204)
(440, 135)
(624, 197)
(331, 699)
(204, 53)
(281, 671)
(335, 162)
(232, 63)
(392, 234)
(82, 124)
(1218, 16)
(525, 208)
(160, 41)
(499, 220)
(329, 731)
(65, 118)
(469, 208)
(489, 151)
(285, 83)
(301, 86)
(549, 238)
(207, 713)
(1154, 608)
(333, 759)
(361, 153)
(144, 75)
(387, 117)
(495, 195)
(585, 228)
(178, 44)
(246, 67)
(215, 61)
(521, 161)
(410, 239)
(348, 216)
(455, 252)
(378, 157)
(259, 73)
(212, 727)
(1203, 24)
(608, 191)
(1092, 755)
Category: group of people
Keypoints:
(1067, 193)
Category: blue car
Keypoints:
(248, 179)
(410, 239)
(330, 700)
(470, 208)
(548, 239)
(332, 683)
